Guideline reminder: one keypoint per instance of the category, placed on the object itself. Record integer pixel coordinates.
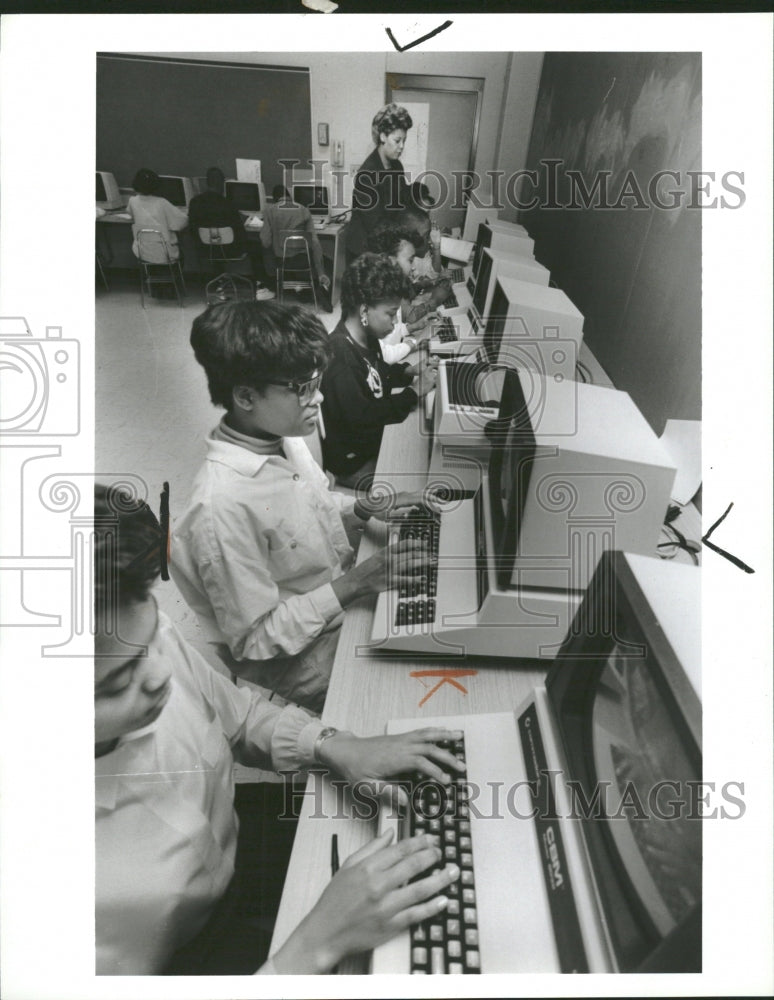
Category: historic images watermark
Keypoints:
(665, 800)
(549, 186)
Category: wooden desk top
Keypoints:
(367, 689)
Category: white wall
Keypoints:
(521, 89)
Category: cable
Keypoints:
(584, 372)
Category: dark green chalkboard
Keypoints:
(180, 117)
(634, 273)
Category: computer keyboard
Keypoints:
(445, 330)
(448, 942)
(450, 302)
(456, 275)
(417, 600)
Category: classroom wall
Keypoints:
(634, 273)
(347, 88)
(519, 99)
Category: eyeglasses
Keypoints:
(304, 390)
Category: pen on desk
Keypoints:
(334, 869)
(334, 854)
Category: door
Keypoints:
(442, 142)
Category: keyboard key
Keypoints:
(468, 896)
(469, 915)
(453, 908)
(419, 956)
(454, 949)
(452, 928)
(453, 890)
(450, 852)
(437, 962)
(466, 877)
(436, 932)
(419, 934)
(471, 937)
(473, 960)
(466, 860)
(455, 969)
(465, 844)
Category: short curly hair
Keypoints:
(252, 343)
(387, 237)
(127, 541)
(388, 119)
(146, 181)
(371, 279)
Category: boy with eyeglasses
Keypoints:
(261, 552)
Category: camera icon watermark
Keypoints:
(40, 381)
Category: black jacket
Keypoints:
(358, 404)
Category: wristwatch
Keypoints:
(322, 736)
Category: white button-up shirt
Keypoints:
(166, 830)
(256, 550)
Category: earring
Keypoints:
(364, 320)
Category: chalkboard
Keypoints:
(181, 117)
(633, 271)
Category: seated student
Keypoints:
(428, 268)
(398, 244)
(358, 401)
(149, 211)
(428, 264)
(168, 898)
(261, 552)
(213, 210)
(285, 217)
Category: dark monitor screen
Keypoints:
(495, 324)
(312, 196)
(173, 189)
(482, 283)
(510, 467)
(631, 725)
(100, 194)
(244, 195)
(483, 239)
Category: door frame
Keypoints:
(440, 84)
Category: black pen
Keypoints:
(334, 869)
(334, 854)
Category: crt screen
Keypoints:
(636, 746)
(314, 198)
(172, 189)
(482, 284)
(244, 196)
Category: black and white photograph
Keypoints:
(383, 475)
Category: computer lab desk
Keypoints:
(114, 241)
(367, 689)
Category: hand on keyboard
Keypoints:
(370, 900)
(391, 567)
(385, 505)
(378, 760)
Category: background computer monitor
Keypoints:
(247, 196)
(312, 196)
(177, 190)
(624, 694)
(107, 194)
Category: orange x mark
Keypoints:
(447, 676)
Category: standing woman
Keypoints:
(380, 183)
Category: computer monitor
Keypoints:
(107, 194)
(474, 216)
(177, 190)
(504, 236)
(625, 694)
(531, 324)
(574, 470)
(312, 196)
(247, 196)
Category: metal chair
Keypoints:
(293, 274)
(228, 288)
(157, 266)
(220, 249)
